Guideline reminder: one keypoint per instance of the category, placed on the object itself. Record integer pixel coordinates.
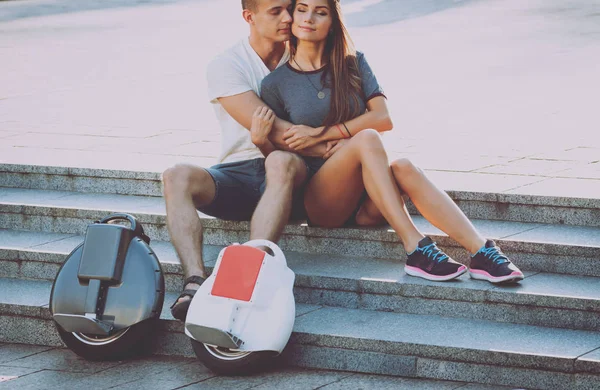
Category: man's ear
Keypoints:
(248, 16)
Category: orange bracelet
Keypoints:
(341, 132)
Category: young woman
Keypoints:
(331, 95)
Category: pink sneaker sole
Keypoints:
(483, 275)
(414, 271)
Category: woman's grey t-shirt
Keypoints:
(293, 97)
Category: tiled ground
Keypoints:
(492, 95)
(35, 367)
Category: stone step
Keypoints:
(399, 344)
(535, 247)
(504, 206)
(544, 299)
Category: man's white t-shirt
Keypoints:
(239, 69)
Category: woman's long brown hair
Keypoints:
(346, 87)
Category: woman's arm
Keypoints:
(377, 117)
(241, 108)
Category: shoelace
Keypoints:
(495, 254)
(433, 252)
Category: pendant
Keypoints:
(321, 95)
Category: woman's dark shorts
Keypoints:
(238, 188)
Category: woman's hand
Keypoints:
(262, 123)
(333, 146)
(300, 137)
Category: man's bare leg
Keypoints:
(285, 172)
(187, 187)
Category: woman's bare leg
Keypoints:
(334, 191)
(436, 206)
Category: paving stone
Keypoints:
(380, 382)
(50, 379)
(575, 154)
(590, 171)
(475, 182)
(147, 369)
(63, 246)
(556, 234)
(535, 167)
(11, 373)
(24, 196)
(566, 188)
(175, 377)
(24, 292)
(295, 378)
(476, 386)
(12, 352)
(25, 239)
(61, 360)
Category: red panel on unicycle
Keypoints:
(237, 273)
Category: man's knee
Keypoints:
(283, 166)
(183, 178)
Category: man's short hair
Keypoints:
(250, 5)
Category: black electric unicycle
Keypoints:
(108, 295)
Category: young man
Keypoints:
(245, 185)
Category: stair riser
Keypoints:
(520, 314)
(105, 185)
(171, 341)
(529, 213)
(583, 261)
(308, 290)
(319, 357)
(485, 206)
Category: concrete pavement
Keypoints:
(36, 367)
(486, 95)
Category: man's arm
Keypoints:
(241, 107)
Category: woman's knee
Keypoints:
(368, 139)
(403, 167)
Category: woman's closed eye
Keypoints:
(303, 10)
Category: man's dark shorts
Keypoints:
(238, 188)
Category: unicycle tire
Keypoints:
(126, 343)
(227, 362)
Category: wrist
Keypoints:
(329, 134)
(259, 141)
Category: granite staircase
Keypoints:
(356, 309)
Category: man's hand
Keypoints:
(300, 137)
(333, 146)
(262, 123)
